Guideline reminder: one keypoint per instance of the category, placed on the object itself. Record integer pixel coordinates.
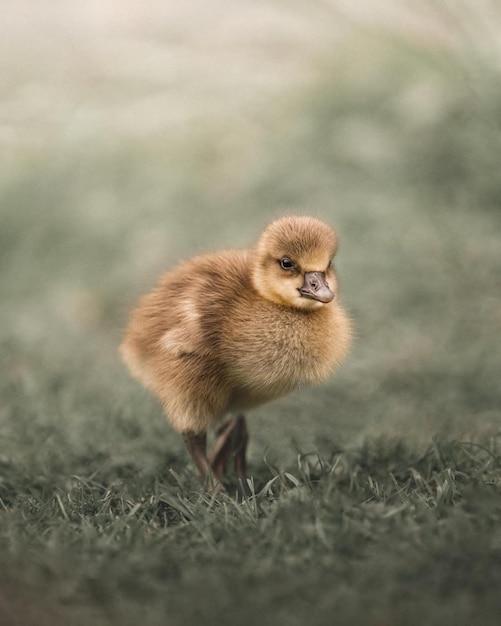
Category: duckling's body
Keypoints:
(230, 330)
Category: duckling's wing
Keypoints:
(185, 336)
(204, 291)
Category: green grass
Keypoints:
(373, 500)
(382, 533)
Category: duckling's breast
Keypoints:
(272, 350)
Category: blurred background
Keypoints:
(134, 134)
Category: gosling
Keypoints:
(228, 331)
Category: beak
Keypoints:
(316, 288)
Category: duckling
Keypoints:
(227, 331)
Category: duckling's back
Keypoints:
(172, 342)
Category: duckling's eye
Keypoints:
(286, 263)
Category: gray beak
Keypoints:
(316, 288)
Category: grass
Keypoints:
(373, 500)
(324, 537)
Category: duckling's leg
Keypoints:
(197, 444)
(241, 447)
(231, 441)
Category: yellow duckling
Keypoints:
(230, 330)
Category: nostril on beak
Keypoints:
(315, 287)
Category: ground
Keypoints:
(135, 134)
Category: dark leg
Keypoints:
(231, 441)
(241, 448)
(196, 444)
(221, 452)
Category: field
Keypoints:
(135, 134)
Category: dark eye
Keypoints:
(286, 263)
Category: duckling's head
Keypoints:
(292, 263)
